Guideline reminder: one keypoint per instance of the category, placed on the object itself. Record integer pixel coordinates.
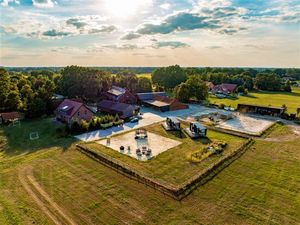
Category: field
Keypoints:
(291, 100)
(173, 166)
(261, 187)
(147, 75)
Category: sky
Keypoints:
(229, 33)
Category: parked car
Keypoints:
(134, 120)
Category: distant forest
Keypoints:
(139, 70)
(31, 90)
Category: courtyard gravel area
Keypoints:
(249, 124)
(156, 143)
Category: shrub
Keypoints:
(75, 128)
(84, 126)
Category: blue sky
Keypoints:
(261, 33)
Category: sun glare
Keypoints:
(124, 8)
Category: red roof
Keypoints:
(69, 107)
(225, 88)
(10, 116)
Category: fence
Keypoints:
(178, 192)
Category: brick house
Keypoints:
(8, 117)
(159, 101)
(225, 89)
(70, 111)
(122, 95)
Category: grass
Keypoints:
(15, 140)
(291, 100)
(261, 187)
(147, 75)
(173, 166)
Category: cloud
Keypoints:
(49, 27)
(43, 3)
(214, 47)
(56, 33)
(103, 29)
(122, 47)
(165, 6)
(76, 22)
(170, 44)
(215, 15)
(6, 3)
(130, 36)
(179, 22)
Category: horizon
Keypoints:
(150, 33)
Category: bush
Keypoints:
(75, 128)
(84, 126)
(107, 125)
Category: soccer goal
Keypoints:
(34, 136)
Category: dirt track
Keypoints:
(43, 200)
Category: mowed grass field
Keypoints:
(173, 166)
(291, 100)
(261, 187)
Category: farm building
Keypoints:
(69, 111)
(8, 117)
(122, 109)
(263, 110)
(224, 89)
(118, 94)
(159, 101)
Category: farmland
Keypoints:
(261, 187)
(291, 100)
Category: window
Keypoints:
(78, 113)
(85, 112)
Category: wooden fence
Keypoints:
(176, 192)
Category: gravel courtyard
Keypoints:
(246, 124)
(156, 143)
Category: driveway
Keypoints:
(148, 119)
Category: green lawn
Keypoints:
(261, 187)
(147, 75)
(173, 166)
(291, 100)
(15, 140)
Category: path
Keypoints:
(43, 200)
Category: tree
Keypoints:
(144, 85)
(169, 77)
(268, 82)
(182, 92)
(4, 88)
(13, 101)
(194, 87)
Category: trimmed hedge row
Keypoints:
(96, 123)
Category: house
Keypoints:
(196, 130)
(124, 110)
(159, 101)
(70, 111)
(149, 96)
(118, 94)
(8, 117)
(260, 109)
(224, 89)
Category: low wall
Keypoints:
(176, 192)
